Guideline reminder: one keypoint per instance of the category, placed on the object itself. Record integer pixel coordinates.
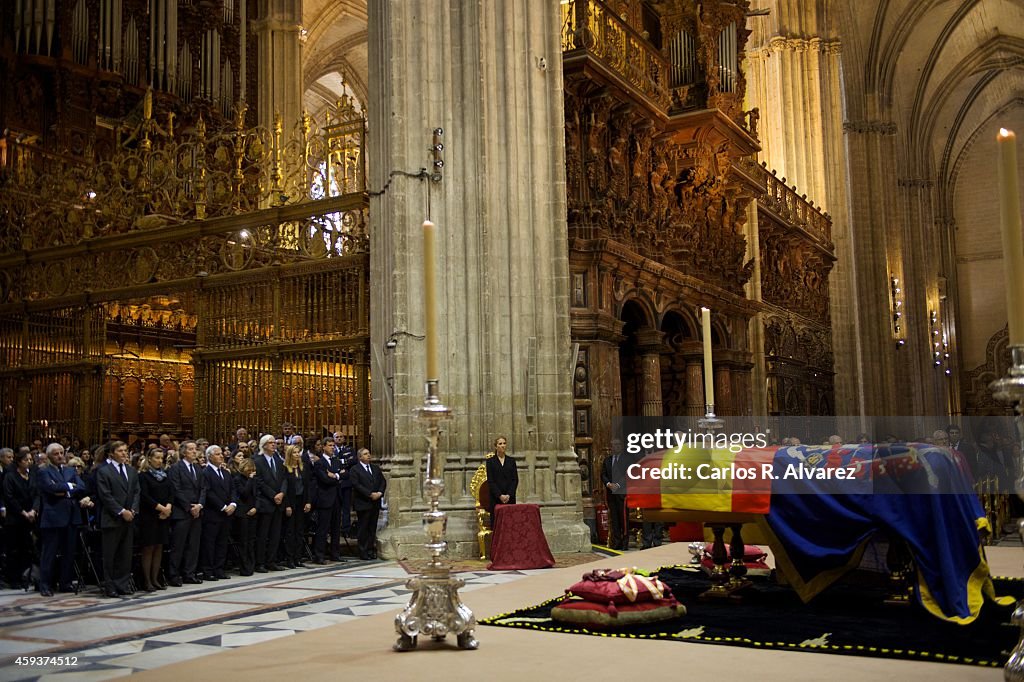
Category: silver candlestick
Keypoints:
(434, 609)
(709, 422)
(1010, 389)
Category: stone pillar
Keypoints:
(723, 390)
(650, 346)
(926, 387)
(876, 252)
(795, 79)
(488, 74)
(694, 387)
(755, 328)
(278, 30)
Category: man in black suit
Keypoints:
(271, 484)
(241, 436)
(220, 506)
(613, 478)
(327, 472)
(348, 460)
(186, 515)
(62, 495)
(117, 486)
(368, 486)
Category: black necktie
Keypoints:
(192, 472)
(615, 461)
(273, 465)
(124, 474)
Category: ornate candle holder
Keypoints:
(709, 422)
(1010, 389)
(434, 609)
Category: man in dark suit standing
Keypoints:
(327, 472)
(220, 506)
(348, 460)
(117, 486)
(270, 489)
(186, 515)
(613, 478)
(62, 494)
(368, 486)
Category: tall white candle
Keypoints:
(1013, 250)
(430, 297)
(709, 377)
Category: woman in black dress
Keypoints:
(502, 476)
(296, 505)
(155, 497)
(245, 516)
(19, 494)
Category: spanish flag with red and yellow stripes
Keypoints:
(702, 480)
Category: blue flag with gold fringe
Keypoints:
(918, 493)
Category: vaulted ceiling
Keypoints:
(335, 49)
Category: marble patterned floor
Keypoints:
(113, 638)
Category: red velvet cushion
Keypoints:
(608, 591)
(610, 615)
(751, 553)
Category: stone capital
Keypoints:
(650, 341)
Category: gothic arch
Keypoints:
(950, 172)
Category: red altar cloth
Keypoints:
(518, 541)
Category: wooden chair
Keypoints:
(482, 494)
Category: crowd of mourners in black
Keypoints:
(162, 514)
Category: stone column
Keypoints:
(926, 387)
(277, 29)
(650, 345)
(488, 74)
(723, 390)
(694, 387)
(875, 255)
(755, 328)
(795, 79)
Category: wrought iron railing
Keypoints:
(591, 27)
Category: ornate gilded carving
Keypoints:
(799, 365)
(794, 275)
(591, 26)
(158, 177)
(978, 398)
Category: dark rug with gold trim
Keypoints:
(850, 619)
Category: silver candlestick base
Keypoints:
(1010, 389)
(434, 609)
(709, 422)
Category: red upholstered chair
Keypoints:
(482, 494)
